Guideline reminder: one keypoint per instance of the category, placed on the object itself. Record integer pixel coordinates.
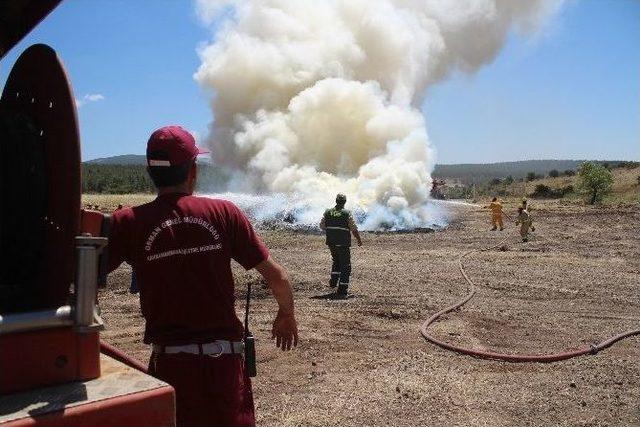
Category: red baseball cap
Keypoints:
(171, 146)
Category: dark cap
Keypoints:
(341, 198)
(171, 146)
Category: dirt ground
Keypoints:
(363, 362)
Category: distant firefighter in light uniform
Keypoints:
(525, 222)
(338, 224)
(496, 214)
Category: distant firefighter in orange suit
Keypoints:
(525, 222)
(496, 214)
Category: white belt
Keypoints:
(215, 348)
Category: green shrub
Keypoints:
(542, 191)
(595, 181)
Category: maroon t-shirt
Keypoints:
(181, 248)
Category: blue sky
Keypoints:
(570, 92)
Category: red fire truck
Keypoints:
(54, 371)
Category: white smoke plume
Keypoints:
(316, 97)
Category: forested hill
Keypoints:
(125, 159)
(128, 174)
(479, 173)
(516, 169)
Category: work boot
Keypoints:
(494, 228)
(501, 229)
(333, 281)
(342, 291)
(525, 239)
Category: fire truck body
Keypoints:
(52, 372)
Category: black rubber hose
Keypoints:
(483, 354)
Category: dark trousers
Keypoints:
(133, 287)
(209, 391)
(341, 266)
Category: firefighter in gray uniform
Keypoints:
(338, 224)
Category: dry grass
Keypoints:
(109, 202)
(362, 362)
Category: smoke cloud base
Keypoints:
(312, 97)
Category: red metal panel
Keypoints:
(47, 357)
(153, 408)
(19, 17)
(91, 222)
(38, 88)
(87, 355)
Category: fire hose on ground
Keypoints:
(120, 356)
(492, 355)
(117, 354)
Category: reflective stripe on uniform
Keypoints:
(338, 228)
(214, 348)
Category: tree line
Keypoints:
(127, 179)
(594, 181)
(514, 171)
(115, 179)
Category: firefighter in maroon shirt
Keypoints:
(181, 247)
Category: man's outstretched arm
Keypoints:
(285, 327)
(354, 230)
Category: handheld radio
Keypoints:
(249, 341)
